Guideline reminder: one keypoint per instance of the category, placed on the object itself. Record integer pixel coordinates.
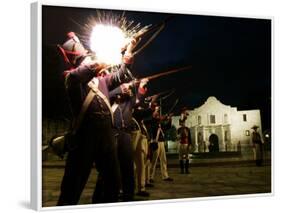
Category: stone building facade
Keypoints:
(215, 122)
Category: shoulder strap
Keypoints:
(114, 107)
(158, 134)
(137, 124)
(84, 108)
(96, 90)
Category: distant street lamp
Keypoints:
(266, 135)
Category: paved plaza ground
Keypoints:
(205, 180)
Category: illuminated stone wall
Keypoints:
(227, 123)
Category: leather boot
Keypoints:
(181, 167)
(186, 166)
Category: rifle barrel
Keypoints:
(168, 72)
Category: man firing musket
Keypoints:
(125, 99)
(158, 75)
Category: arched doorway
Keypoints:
(214, 143)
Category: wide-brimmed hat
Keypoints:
(255, 127)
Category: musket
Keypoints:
(169, 72)
(168, 95)
(157, 95)
(142, 33)
(150, 28)
(173, 107)
(169, 113)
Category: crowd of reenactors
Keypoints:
(115, 128)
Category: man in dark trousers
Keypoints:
(184, 137)
(125, 98)
(257, 143)
(94, 140)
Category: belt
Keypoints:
(99, 115)
(183, 143)
(124, 129)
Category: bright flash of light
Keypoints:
(107, 42)
(107, 33)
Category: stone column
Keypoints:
(196, 139)
(205, 139)
(232, 145)
(222, 138)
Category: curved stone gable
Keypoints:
(211, 105)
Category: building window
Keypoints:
(212, 119)
(199, 120)
(244, 117)
(247, 132)
(225, 135)
(225, 118)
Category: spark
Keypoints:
(107, 42)
(108, 33)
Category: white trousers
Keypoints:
(140, 146)
(161, 154)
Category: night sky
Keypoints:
(230, 58)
